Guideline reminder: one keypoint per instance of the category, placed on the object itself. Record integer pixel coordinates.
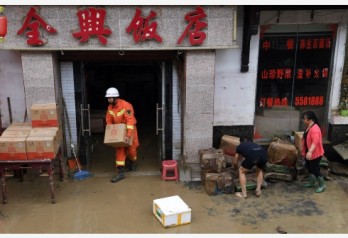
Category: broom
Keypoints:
(81, 174)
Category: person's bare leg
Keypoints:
(259, 180)
(242, 180)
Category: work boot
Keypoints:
(133, 166)
(119, 174)
(311, 182)
(321, 186)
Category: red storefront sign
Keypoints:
(31, 24)
(92, 20)
(142, 29)
(196, 36)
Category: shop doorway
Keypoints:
(147, 85)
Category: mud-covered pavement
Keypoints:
(95, 206)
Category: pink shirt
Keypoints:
(314, 137)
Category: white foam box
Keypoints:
(171, 211)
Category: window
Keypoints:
(294, 74)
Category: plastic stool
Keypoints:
(170, 165)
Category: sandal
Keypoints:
(258, 193)
(240, 195)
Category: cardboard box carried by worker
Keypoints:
(115, 135)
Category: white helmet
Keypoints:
(112, 93)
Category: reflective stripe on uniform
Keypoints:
(120, 112)
(111, 112)
(122, 163)
(130, 127)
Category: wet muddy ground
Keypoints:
(95, 206)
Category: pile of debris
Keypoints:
(216, 176)
(285, 164)
(282, 160)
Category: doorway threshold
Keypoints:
(136, 173)
(144, 173)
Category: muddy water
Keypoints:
(95, 205)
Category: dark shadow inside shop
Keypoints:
(137, 83)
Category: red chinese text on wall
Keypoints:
(142, 28)
(269, 102)
(301, 73)
(91, 23)
(194, 27)
(294, 66)
(31, 24)
(304, 44)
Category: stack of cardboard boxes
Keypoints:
(40, 139)
(216, 177)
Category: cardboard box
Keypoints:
(44, 115)
(282, 153)
(13, 148)
(41, 147)
(171, 211)
(60, 136)
(298, 140)
(229, 144)
(16, 127)
(48, 131)
(25, 124)
(43, 131)
(115, 135)
(14, 133)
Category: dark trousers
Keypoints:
(313, 166)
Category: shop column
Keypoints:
(199, 102)
(39, 77)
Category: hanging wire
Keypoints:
(121, 53)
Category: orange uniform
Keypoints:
(123, 112)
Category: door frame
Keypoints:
(161, 57)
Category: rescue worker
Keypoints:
(121, 111)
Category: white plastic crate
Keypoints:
(171, 211)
